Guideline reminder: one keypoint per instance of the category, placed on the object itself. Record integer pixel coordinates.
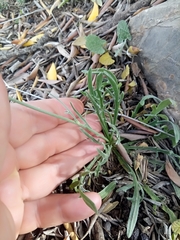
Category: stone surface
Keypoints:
(157, 32)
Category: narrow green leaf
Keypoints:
(172, 216)
(176, 189)
(151, 194)
(125, 188)
(123, 32)
(88, 202)
(142, 103)
(107, 190)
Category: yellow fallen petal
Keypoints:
(125, 73)
(52, 74)
(106, 59)
(132, 84)
(94, 13)
(33, 40)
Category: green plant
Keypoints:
(97, 45)
(105, 95)
(3, 5)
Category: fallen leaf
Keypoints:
(52, 74)
(143, 144)
(126, 72)
(34, 72)
(74, 52)
(33, 40)
(133, 50)
(132, 84)
(124, 153)
(135, 69)
(21, 39)
(176, 226)
(106, 59)
(62, 51)
(41, 24)
(94, 13)
(172, 174)
(137, 162)
(70, 230)
(80, 41)
(110, 206)
(95, 44)
(19, 96)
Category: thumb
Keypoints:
(4, 121)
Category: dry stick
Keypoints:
(119, 15)
(5, 55)
(105, 7)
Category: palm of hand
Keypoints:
(39, 152)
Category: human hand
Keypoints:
(38, 152)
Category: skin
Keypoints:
(37, 153)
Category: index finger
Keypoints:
(26, 122)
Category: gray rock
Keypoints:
(157, 32)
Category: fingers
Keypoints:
(27, 122)
(4, 122)
(56, 209)
(39, 181)
(41, 146)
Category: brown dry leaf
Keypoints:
(94, 13)
(106, 59)
(172, 174)
(95, 58)
(133, 137)
(124, 153)
(135, 69)
(110, 206)
(23, 70)
(21, 39)
(137, 162)
(34, 72)
(52, 74)
(74, 52)
(139, 125)
(62, 51)
(70, 230)
(41, 24)
(133, 50)
(126, 72)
